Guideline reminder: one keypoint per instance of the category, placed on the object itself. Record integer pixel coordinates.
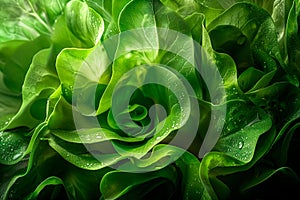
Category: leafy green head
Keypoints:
(138, 99)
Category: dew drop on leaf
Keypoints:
(12, 147)
(17, 156)
(98, 136)
(241, 144)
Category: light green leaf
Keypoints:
(168, 95)
(84, 22)
(209, 162)
(241, 133)
(40, 82)
(222, 71)
(13, 173)
(191, 183)
(27, 19)
(210, 9)
(84, 74)
(160, 157)
(16, 58)
(257, 25)
(92, 135)
(80, 156)
(9, 104)
(60, 115)
(13, 146)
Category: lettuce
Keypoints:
(143, 99)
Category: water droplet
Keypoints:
(129, 55)
(265, 65)
(157, 138)
(15, 157)
(241, 144)
(98, 136)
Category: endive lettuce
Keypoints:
(149, 99)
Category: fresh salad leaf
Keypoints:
(149, 99)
